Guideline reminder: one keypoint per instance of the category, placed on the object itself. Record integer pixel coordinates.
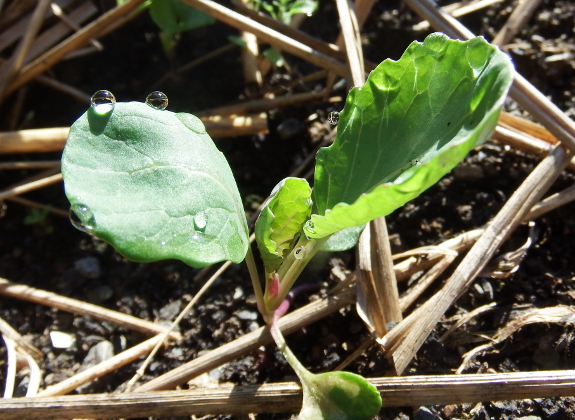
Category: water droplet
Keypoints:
(82, 218)
(162, 243)
(157, 100)
(192, 122)
(200, 221)
(299, 253)
(333, 117)
(103, 101)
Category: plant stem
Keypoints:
(292, 267)
(253, 270)
(302, 373)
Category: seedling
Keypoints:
(152, 183)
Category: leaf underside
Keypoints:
(153, 185)
(281, 220)
(409, 125)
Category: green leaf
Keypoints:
(343, 240)
(274, 56)
(173, 16)
(153, 185)
(338, 396)
(281, 220)
(409, 125)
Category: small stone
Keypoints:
(468, 172)
(62, 340)
(424, 413)
(528, 418)
(99, 353)
(100, 294)
(289, 127)
(239, 293)
(88, 267)
(247, 315)
(171, 310)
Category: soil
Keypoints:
(50, 254)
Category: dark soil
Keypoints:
(51, 255)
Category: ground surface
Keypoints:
(52, 255)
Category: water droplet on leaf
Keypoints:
(82, 218)
(299, 253)
(192, 122)
(103, 101)
(200, 221)
(333, 117)
(157, 100)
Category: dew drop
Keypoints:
(200, 221)
(157, 100)
(103, 101)
(162, 243)
(299, 253)
(192, 122)
(82, 218)
(333, 117)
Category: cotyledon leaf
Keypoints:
(281, 220)
(153, 185)
(409, 125)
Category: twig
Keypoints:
(526, 127)
(260, 105)
(194, 63)
(80, 38)
(63, 87)
(7, 331)
(36, 205)
(459, 9)
(11, 362)
(518, 18)
(419, 324)
(38, 164)
(466, 318)
(286, 396)
(409, 297)
(260, 337)
(265, 34)
(356, 353)
(21, 189)
(42, 297)
(13, 66)
(35, 140)
(54, 139)
(103, 368)
(57, 10)
(140, 372)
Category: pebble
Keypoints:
(247, 315)
(170, 311)
(99, 353)
(424, 413)
(88, 267)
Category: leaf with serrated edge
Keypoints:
(281, 219)
(410, 124)
(153, 185)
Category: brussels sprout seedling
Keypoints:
(153, 184)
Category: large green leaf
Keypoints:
(153, 185)
(282, 218)
(410, 124)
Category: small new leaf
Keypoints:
(281, 220)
